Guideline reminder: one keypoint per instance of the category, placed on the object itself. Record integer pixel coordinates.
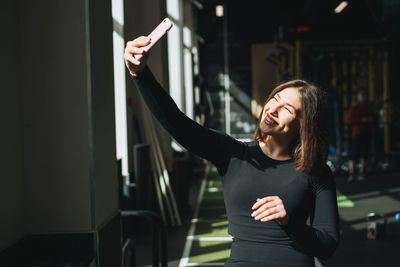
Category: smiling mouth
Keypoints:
(269, 121)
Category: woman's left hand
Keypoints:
(270, 208)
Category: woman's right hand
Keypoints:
(135, 66)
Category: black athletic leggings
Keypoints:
(254, 254)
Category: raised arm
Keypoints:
(206, 143)
(323, 236)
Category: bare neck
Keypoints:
(276, 148)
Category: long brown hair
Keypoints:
(309, 149)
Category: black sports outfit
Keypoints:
(247, 174)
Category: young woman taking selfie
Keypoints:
(271, 185)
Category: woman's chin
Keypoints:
(272, 131)
(267, 131)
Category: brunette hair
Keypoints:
(309, 148)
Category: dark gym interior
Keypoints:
(90, 178)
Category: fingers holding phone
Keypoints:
(133, 49)
(136, 51)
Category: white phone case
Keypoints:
(157, 34)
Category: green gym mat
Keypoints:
(343, 201)
(210, 251)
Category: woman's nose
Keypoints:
(274, 110)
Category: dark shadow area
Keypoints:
(140, 232)
(355, 248)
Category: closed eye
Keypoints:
(294, 109)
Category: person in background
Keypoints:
(361, 118)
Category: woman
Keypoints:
(271, 185)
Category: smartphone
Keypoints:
(157, 34)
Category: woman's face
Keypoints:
(281, 113)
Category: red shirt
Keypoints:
(361, 117)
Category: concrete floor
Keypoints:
(380, 193)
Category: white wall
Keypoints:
(121, 130)
(11, 194)
(262, 75)
(102, 111)
(140, 19)
(55, 116)
(58, 142)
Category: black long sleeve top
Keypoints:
(247, 174)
